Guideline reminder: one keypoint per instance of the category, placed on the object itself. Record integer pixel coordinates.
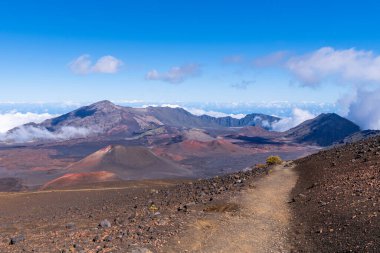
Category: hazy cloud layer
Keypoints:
(298, 116)
(106, 64)
(13, 119)
(176, 74)
(25, 134)
(199, 112)
(349, 66)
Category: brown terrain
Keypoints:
(133, 185)
(156, 143)
(336, 201)
(191, 153)
(189, 148)
(120, 217)
(256, 219)
(326, 202)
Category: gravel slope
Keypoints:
(337, 199)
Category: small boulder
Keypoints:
(105, 224)
(16, 239)
(70, 225)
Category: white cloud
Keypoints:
(81, 65)
(171, 105)
(161, 105)
(349, 65)
(25, 134)
(363, 108)
(176, 74)
(359, 69)
(298, 116)
(199, 112)
(30, 133)
(13, 119)
(106, 64)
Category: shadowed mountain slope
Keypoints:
(253, 119)
(323, 130)
(362, 135)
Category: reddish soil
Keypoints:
(252, 131)
(37, 159)
(189, 148)
(73, 179)
(129, 163)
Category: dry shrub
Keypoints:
(273, 160)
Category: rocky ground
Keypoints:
(120, 219)
(334, 207)
(336, 200)
(253, 220)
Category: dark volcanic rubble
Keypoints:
(337, 199)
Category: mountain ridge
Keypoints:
(108, 118)
(323, 130)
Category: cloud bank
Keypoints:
(25, 134)
(106, 64)
(349, 66)
(298, 116)
(176, 74)
(364, 108)
(358, 69)
(30, 133)
(199, 112)
(13, 119)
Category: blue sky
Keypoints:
(39, 39)
(188, 51)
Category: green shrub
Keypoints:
(273, 160)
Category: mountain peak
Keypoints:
(103, 104)
(329, 115)
(323, 130)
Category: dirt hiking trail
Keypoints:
(261, 223)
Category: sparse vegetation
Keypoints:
(273, 160)
(261, 166)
